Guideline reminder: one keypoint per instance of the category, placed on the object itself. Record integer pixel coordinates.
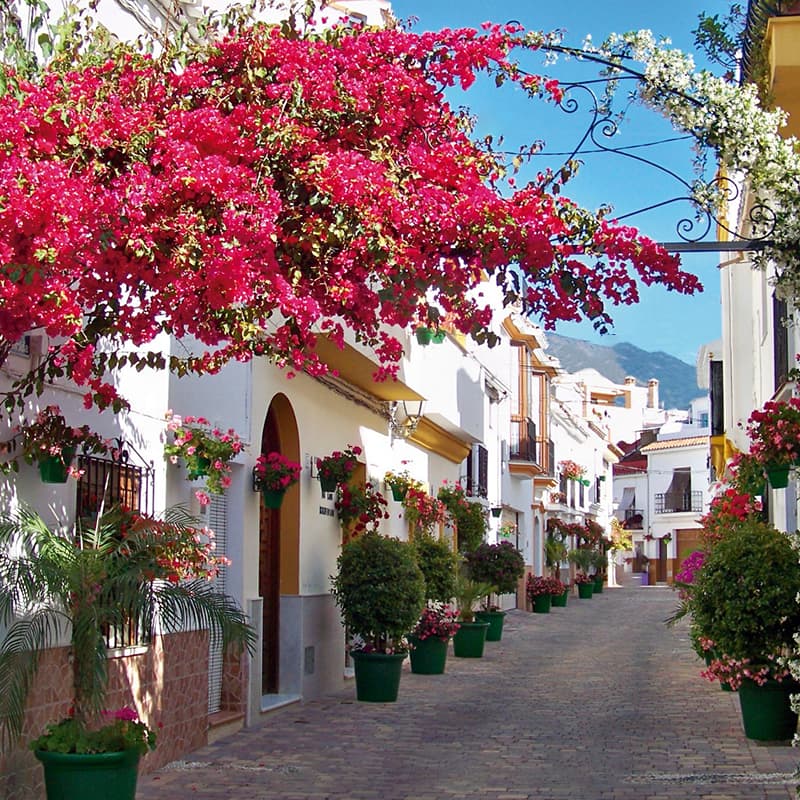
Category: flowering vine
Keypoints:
(275, 187)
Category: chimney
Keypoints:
(652, 393)
(629, 385)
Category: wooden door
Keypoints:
(269, 563)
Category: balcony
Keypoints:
(679, 502)
(634, 519)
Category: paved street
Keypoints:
(595, 701)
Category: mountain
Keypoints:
(677, 380)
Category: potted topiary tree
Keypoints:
(82, 582)
(501, 566)
(381, 592)
(744, 600)
(432, 633)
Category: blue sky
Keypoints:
(663, 320)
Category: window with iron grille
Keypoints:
(478, 471)
(115, 481)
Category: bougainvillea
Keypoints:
(261, 189)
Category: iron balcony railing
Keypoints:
(678, 502)
(634, 519)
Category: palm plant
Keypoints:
(468, 593)
(85, 581)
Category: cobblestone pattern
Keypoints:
(596, 701)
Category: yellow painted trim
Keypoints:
(436, 439)
(358, 370)
(783, 38)
(722, 451)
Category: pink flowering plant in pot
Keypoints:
(571, 469)
(539, 586)
(774, 432)
(275, 472)
(49, 435)
(438, 621)
(339, 466)
(360, 508)
(205, 450)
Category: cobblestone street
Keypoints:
(599, 700)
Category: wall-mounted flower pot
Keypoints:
(398, 493)
(200, 469)
(497, 511)
(327, 484)
(55, 469)
(778, 477)
(273, 497)
(424, 335)
(438, 337)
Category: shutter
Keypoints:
(218, 522)
(717, 399)
(483, 471)
(780, 341)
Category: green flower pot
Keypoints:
(377, 676)
(78, 776)
(200, 469)
(495, 620)
(55, 469)
(273, 497)
(398, 493)
(766, 710)
(778, 477)
(469, 639)
(428, 656)
(598, 586)
(585, 591)
(560, 600)
(424, 335)
(327, 484)
(542, 603)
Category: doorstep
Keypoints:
(224, 723)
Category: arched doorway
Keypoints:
(278, 551)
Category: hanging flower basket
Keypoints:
(327, 484)
(497, 511)
(778, 476)
(424, 335)
(273, 497)
(55, 469)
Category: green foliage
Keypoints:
(380, 589)
(70, 736)
(467, 593)
(78, 582)
(555, 551)
(500, 565)
(745, 595)
(469, 517)
(582, 558)
(438, 564)
(471, 526)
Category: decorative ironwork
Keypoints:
(115, 480)
(603, 127)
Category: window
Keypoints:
(106, 482)
(478, 472)
(717, 399)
